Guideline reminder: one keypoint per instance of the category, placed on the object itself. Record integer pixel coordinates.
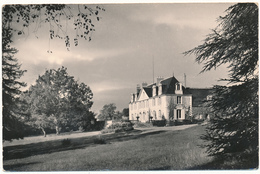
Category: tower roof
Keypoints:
(168, 87)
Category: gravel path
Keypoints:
(50, 137)
(168, 128)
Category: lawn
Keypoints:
(160, 150)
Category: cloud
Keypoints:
(180, 14)
(108, 85)
(36, 52)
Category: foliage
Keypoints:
(139, 124)
(99, 140)
(234, 127)
(57, 100)
(86, 121)
(118, 115)
(125, 112)
(16, 18)
(159, 123)
(118, 126)
(11, 72)
(107, 112)
(135, 151)
(171, 108)
(121, 125)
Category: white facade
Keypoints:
(164, 100)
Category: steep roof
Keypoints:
(148, 91)
(199, 95)
(168, 87)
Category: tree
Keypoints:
(107, 112)
(11, 72)
(234, 127)
(125, 112)
(58, 100)
(18, 17)
(171, 106)
(118, 115)
(86, 121)
(15, 18)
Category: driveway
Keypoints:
(50, 137)
(168, 128)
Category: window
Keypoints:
(154, 115)
(178, 113)
(159, 101)
(153, 101)
(178, 99)
(178, 86)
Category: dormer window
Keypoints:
(178, 86)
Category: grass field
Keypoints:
(160, 150)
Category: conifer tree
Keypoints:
(11, 73)
(233, 130)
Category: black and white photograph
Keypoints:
(130, 86)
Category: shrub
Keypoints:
(99, 125)
(186, 121)
(81, 129)
(66, 142)
(104, 131)
(197, 121)
(142, 125)
(119, 126)
(159, 123)
(99, 140)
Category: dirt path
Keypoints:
(168, 128)
(37, 139)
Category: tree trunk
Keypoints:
(57, 130)
(44, 133)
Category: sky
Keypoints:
(127, 41)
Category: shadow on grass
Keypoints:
(246, 162)
(11, 166)
(162, 168)
(132, 136)
(23, 151)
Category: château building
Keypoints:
(166, 99)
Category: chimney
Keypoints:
(159, 79)
(154, 90)
(184, 80)
(138, 89)
(144, 84)
(132, 98)
(160, 89)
